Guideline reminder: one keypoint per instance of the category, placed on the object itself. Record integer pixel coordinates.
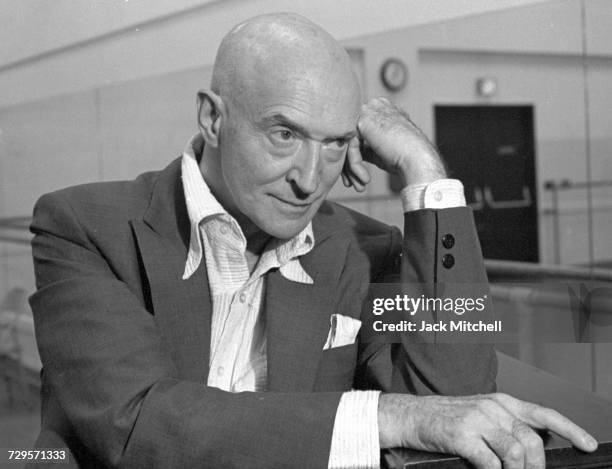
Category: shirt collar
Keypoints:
(202, 206)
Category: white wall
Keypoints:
(64, 46)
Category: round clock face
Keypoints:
(394, 74)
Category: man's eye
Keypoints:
(338, 144)
(283, 136)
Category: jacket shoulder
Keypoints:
(112, 200)
(121, 197)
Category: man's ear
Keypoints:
(211, 110)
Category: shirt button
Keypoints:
(437, 196)
(242, 298)
(448, 260)
(448, 241)
(220, 371)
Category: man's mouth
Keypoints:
(294, 204)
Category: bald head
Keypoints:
(277, 123)
(272, 50)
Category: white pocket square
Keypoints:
(343, 331)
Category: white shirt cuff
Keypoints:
(443, 193)
(355, 440)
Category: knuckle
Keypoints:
(487, 406)
(534, 443)
(530, 439)
(516, 452)
(499, 396)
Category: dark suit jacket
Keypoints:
(124, 340)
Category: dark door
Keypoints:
(491, 150)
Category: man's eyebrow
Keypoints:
(281, 119)
(346, 136)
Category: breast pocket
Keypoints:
(336, 368)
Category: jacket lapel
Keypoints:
(182, 308)
(298, 315)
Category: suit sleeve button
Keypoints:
(448, 241)
(448, 260)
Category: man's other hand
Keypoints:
(490, 430)
(391, 141)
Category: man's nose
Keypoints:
(305, 173)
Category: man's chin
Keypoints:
(283, 223)
(285, 229)
(285, 234)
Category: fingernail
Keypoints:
(591, 442)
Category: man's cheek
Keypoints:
(269, 175)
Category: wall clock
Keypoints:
(394, 74)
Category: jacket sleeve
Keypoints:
(415, 364)
(109, 377)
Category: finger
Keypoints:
(506, 447)
(528, 438)
(345, 179)
(532, 443)
(480, 455)
(356, 183)
(549, 419)
(359, 171)
(355, 162)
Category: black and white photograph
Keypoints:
(339, 234)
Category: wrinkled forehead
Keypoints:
(286, 60)
(303, 86)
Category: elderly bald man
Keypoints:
(183, 318)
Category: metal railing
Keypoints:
(513, 271)
(555, 187)
(15, 229)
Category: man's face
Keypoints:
(282, 148)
